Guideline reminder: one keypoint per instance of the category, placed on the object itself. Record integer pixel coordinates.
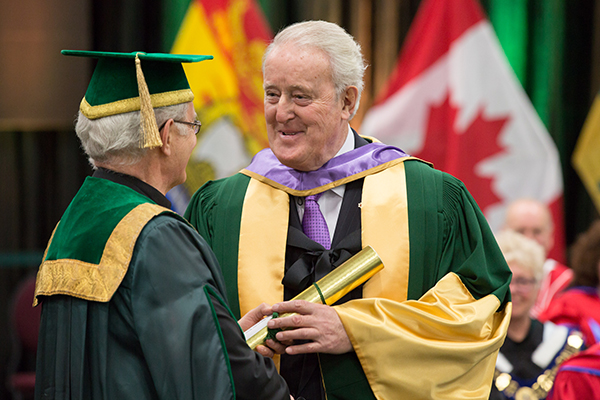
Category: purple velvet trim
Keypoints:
(583, 370)
(351, 163)
(587, 290)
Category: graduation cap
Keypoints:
(119, 85)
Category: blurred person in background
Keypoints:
(578, 378)
(579, 306)
(533, 219)
(531, 350)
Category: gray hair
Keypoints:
(347, 63)
(115, 140)
(518, 248)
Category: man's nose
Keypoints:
(285, 109)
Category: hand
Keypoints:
(318, 323)
(254, 316)
(271, 347)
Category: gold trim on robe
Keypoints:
(134, 104)
(263, 239)
(96, 282)
(384, 220)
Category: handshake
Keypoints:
(342, 280)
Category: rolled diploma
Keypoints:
(333, 286)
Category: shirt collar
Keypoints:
(348, 143)
(133, 183)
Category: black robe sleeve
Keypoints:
(179, 273)
(166, 333)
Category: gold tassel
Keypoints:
(150, 134)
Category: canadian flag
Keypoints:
(453, 100)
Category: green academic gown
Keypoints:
(429, 325)
(133, 306)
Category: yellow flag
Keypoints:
(586, 157)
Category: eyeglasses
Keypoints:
(196, 125)
(523, 282)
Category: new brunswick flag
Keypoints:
(454, 100)
(228, 89)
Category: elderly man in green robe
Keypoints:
(429, 325)
(133, 302)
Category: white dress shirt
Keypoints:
(330, 202)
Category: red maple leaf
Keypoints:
(458, 153)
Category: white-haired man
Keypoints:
(132, 297)
(533, 219)
(429, 325)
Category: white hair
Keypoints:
(518, 248)
(346, 60)
(115, 140)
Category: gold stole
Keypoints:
(448, 310)
(263, 236)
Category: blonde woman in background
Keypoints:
(531, 350)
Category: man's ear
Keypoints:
(349, 98)
(165, 135)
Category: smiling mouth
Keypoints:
(289, 133)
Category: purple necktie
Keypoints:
(313, 222)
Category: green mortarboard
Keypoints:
(119, 85)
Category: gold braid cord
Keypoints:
(540, 389)
(150, 134)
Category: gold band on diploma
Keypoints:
(335, 285)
